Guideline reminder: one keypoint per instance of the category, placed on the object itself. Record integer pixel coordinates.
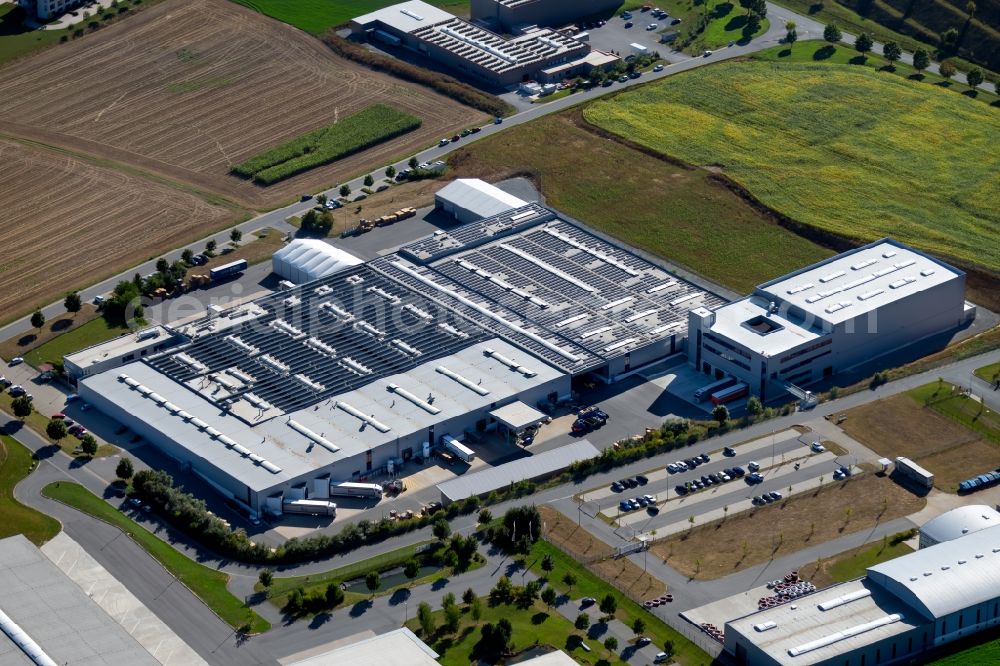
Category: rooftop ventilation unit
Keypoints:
(322, 347)
(596, 331)
(510, 363)
(889, 253)
(764, 626)
(845, 634)
(406, 348)
(411, 14)
(832, 276)
(270, 467)
(843, 599)
(312, 436)
(620, 344)
(567, 322)
(275, 364)
(422, 404)
(639, 315)
(413, 309)
(801, 287)
(370, 420)
(469, 384)
(863, 264)
(241, 344)
(666, 327)
(355, 366)
(620, 301)
(683, 299)
(661, 287)
(309, 383)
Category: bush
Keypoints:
(56, 429)
(442, 83)
(355, 133)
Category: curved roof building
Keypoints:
(958, 522)
(308, 259)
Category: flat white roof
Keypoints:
(859, 281)
(729, 320)
(478, 196)
(866, 614)
(395, 648)
(406, 16)
(353, 422)
(517, 415)
(123, 344)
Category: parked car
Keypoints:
(817, 447)
(629, 24)
(624, 505)
(681, 489)
(756, 500)
(681, 465)
(660, 657)
(706, 480)
(775, 495)
(17, 360)
(444, 142)
(16, 390)
(306, 197)
(658, 68)
(697, 484)
(641, 501)
(753, 466)
(498, 120)
(729, 452)
(725, 477)
(715, 478)
(675, 22)
(615, 487)
(652, 26)
(643, 641)
(707, 53)
(587, 601)
(652, 509)
(672, 468)
(739, 472)
(649, 498)
(631, 483)
(58, 415)
(704, 457)
(642, 479)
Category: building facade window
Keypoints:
(806, 350)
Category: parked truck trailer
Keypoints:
(457, 448)
(704, 392)
(352, 489)
(914, 472)
(228, 270)
(729, 394)
(312, 507)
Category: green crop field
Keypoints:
(352, 134)
(843, 149)
(317, 16)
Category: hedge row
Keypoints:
(442, 83)
(355, 133)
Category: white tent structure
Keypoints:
(308, 259)
(471, 199)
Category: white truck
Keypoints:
(352, 489)
(914, 472)
(312, 507)
(457, 448)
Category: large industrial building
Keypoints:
(829, 317)
(901, 609)
(515, 15)
(351, 376)
(474, 51)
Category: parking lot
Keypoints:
(614, 36)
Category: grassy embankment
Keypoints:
(840, 149)
(208, 584)
(989, 373)
(15, 464)
(682, 214)
(317, 16)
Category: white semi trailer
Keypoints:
(457, 448)
(312, 507)
(351, 489)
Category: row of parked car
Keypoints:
(707, 480)
(640, 502)
(587, 419)
(632, 482)
(766, 498)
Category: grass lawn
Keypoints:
(95, 331)
(819, 51)
(316, 16)
(843, 149)
(17, 40)
(38, 421)
(15, 464)
(588, 584)
(208, 584)
(536, 625)
(852, 563)
(989, 373)
(682, 214)
(987, 652)
(20, 345)
(947, 401)
(833, 510)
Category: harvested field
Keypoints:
(188, 89)
(595, 555)
(68, 222)
(723, 547)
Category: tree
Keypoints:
(638, 626)
(947, 69)
(720, 414)
(611, 643)
(425, 616)
(56, 429)
(333, 595)
(390, 171)
(321, 199)
(502, 592)
(476, 609)
(88, 444)
(162, 265)
(832, 34)
(442, 530)
(369, 181)
(863, 44)
(72, 302)
(547, 564)
(549, 597)
(186, 256)
(411, 569)
(974, 77)
(210, 247)
(754, 406)
(970, 9)
(921, 60)
(265, 578)
(582, 621)
(949, 39)
(569, 579)
(37, 319)
(372, 581)
(22, 407)
(609, 604)
(892, 53)
(124, 470)
(791, 36)
(485, 516)
(469, 596)
(235, 236)
(755, 7)
(414, 162)
(452, 616)
(345, 190)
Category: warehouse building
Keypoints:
(958, 522)
(117, 352)
(901, 609)
(351, 376)
(467, 48)
(828, 317)
(471, 199)
(307, 259)
(514, 15)
(47, 619)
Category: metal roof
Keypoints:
(958, 522)
(57, 615)
(123, 344)
(308, 259)
(477, 196)
(400, 647)
(859, 281)
(947, 577)
(517, 415)
(529, 467)
(405, 16)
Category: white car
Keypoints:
(17, 360)
(658, 68)
(444, 142)
(652, 26)
(753, 466)
(817, 447)
(707, 53)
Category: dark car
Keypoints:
(706, 480)
(631, 483)
(738, 472)
(681, 490)
(715, 478)
(594, 421)
(704, 457)
(579, 426)
(697, 484)
(616, 487)
(642, 479)
(729, 452)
